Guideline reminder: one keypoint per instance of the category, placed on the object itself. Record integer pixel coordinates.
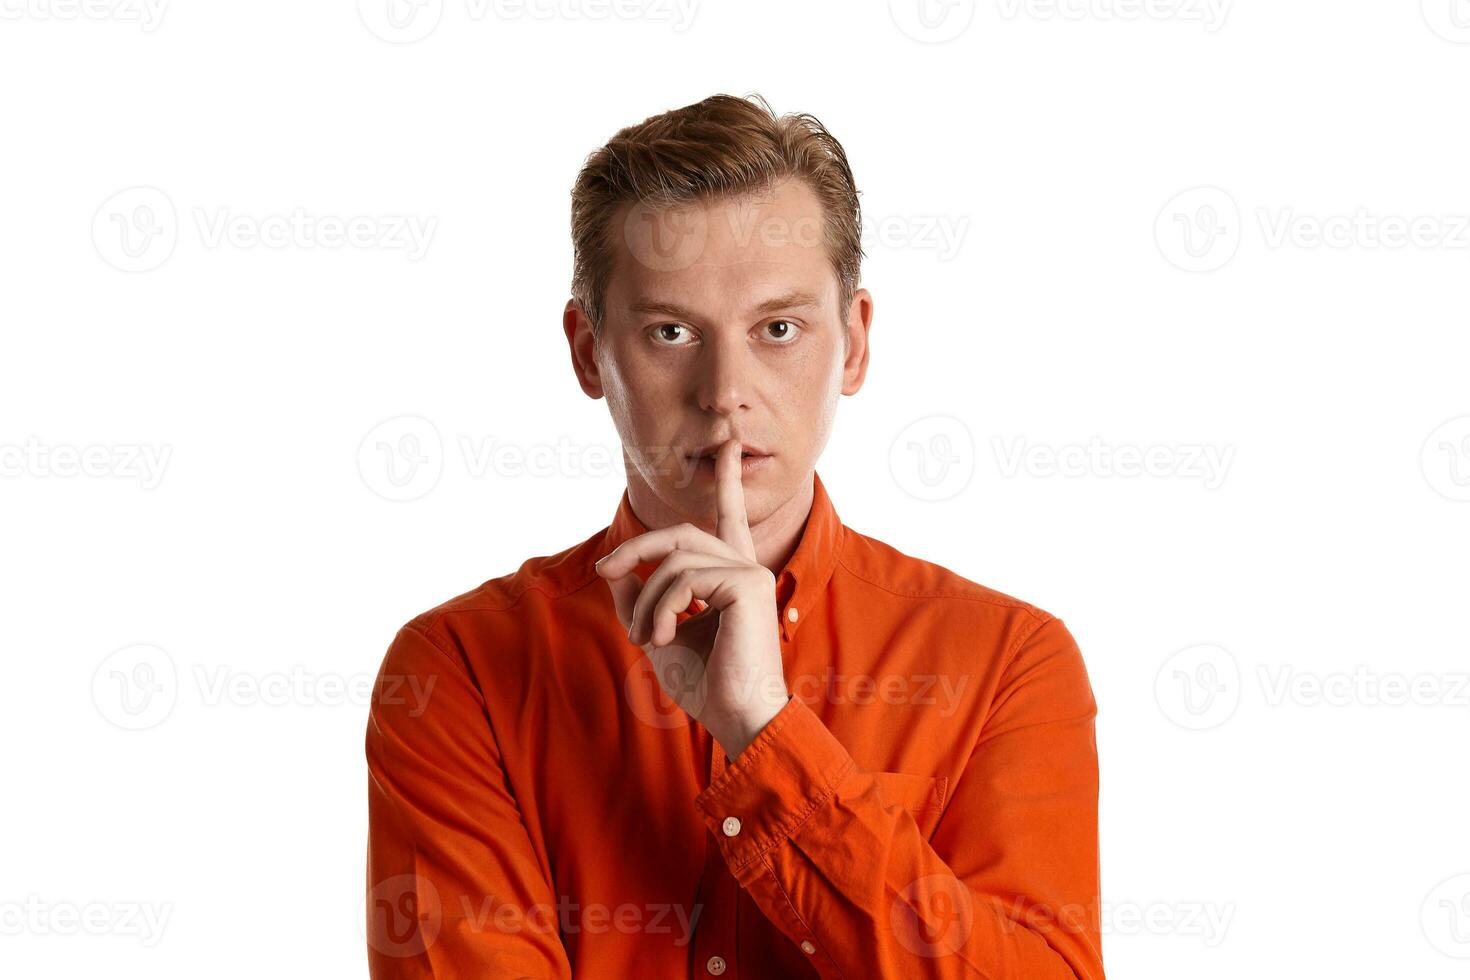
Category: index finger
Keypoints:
(731, 524)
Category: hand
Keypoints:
(723, 664)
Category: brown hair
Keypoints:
(720, 147)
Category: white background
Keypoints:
(1182, 231)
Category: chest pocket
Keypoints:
(922, 796)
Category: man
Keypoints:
(727, 735)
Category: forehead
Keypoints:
(722, 257)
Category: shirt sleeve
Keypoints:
(454, 887)
(1009, 885)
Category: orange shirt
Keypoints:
(924, 805)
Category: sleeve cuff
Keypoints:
(782, 777)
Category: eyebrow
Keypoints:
(794, 300)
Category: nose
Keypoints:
(725, 376)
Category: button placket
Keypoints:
(715, 937)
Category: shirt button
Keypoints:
(807, 947)
(715, 965)
(791, 613)
(731, 827)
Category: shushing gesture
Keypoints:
(723, 664)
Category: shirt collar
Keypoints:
(801, 580)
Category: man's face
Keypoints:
(722, 320)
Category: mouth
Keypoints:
(747, 452)
(750, 460)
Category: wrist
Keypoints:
(738, 737)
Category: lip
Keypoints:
(712, 449)
(748, 464)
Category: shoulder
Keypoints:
(882, 566)
(885, 571)
(538, 583)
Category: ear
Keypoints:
(859, 321)
(578, 328)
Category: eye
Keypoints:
(666, 334)
(787, 331)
